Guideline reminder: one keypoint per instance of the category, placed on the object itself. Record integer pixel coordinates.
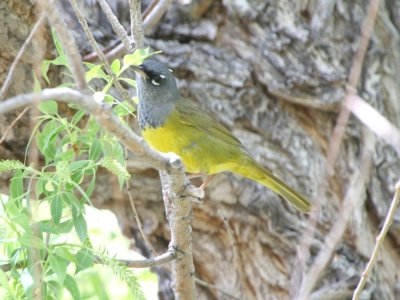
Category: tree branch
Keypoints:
(117, 27)
(355, 193)
(102, 114)
(136, 23)
(181, 232)
(335, 142)
(17, 58)
(175, 184)
(98, 51)
(379, 241)
(137, 264)
(67, 41)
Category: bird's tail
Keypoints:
(253, 171)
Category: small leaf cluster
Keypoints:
(46, 204)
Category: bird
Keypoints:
(171, 123)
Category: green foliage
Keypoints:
(44, 205)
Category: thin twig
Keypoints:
(354, 77)
(136, 23)
(17, 58)
(116, 25)
(379, 241)
(12, 124)
(154, 15)
(138, 221)
(337, 137)
(164, 258)
(355, 193)
(102, 114)
(67, 41)
(236, 253)
(98, 51)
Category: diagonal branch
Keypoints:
(379, 241)
(67, 41)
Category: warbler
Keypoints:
(170, 123)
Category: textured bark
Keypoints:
(274, 72)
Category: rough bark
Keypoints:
(274, 72)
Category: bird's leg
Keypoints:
(207, 181)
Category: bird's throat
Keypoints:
(153, 116)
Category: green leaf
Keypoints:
(57, 43)
(80, 227)
(36, 85)
(85, 259)
(116, 66)
(64, 252)
(23, 220)
(123, 109)
(96, 71)
(48, 107)
(45, 69)
(72, 287)
(71, 200)
(4, 282)
(59, 266)
(95, 150)
(61, 60)
(56, 208)
(63, 227)
(78, 116)
(17, 187)
(30, 240)
(79, 164)
(78, 176)
(129, 81)
(90, 187)
(135, 58)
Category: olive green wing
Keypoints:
(191, 115)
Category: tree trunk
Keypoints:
(273, 72)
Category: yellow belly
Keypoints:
(199, 151)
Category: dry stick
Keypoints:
(116, 25)
(355, 192)
(67, 42)
(12, 124)
(180, 218)
(236, 253)
(98, 51)
(101, 113)
(17, 58)
(137, 264)
(374, 121)
(379, 241)
(154, 15)
(138, 221)
(338, 132)
(150, 20)
(136, 23)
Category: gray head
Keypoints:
(157, 93)
(156, 83)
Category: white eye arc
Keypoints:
(162, 76)
(170, 70)
(154, 82)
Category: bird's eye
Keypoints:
(157, 80)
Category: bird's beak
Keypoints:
(139, 70)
